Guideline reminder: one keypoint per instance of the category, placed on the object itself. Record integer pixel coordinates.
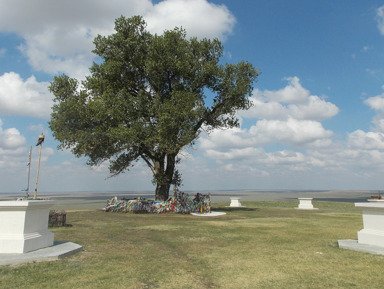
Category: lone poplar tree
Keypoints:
(146, 98)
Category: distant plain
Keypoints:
(98, 200)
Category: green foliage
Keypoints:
(147, 99)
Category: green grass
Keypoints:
(266, 245)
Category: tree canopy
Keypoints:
(147, 98)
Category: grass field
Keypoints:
(265, 245)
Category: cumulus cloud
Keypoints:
(283, 118)
(10, 138)
(314, 108)
(292, 101)
(24, 97)
(290, 132)
(58, 38)
(12, 147)
(14, 159)
(376, 102)
(234, 153)
(288, 116)
(366, 140)
(292, 93)
(214, 21)
(58, 35)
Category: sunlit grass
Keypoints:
(266, 245)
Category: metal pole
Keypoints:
(37, 176)
(29, 170)
(40, 143)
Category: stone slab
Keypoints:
(58, 251)
(356, 246)
(211, 214)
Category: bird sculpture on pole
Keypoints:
(39, 143)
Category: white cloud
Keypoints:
(366, 140)
(291, 132)
(376, 102)
(286, 117)
(380, 19)
(10, 138)
(234, 154)
(225, 139)
(58, 38)
(12, 149)
(27, 98)
(378, 123)
(292, 93)
(292, 101)
(14, 159)
(26, 17)
(263, 109)
(314, 109)
(58, 35)
(213, 20)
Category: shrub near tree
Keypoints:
(147, 99)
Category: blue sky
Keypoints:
(318, 115)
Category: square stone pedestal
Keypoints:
(24, 225)
(373, 221)
(306, 204)
(235, 202)
(371, 238)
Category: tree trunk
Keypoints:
(162, 192)
(164, 183)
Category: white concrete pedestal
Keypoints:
(24, 226)
(235, 202)
(306, 204)
(373, 221)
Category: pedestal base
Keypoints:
(371, 237)
(26, 242)
(58, 251)
(373, 218)
(235, 202)
(356, 246)
(306, 204)
(24, 226)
